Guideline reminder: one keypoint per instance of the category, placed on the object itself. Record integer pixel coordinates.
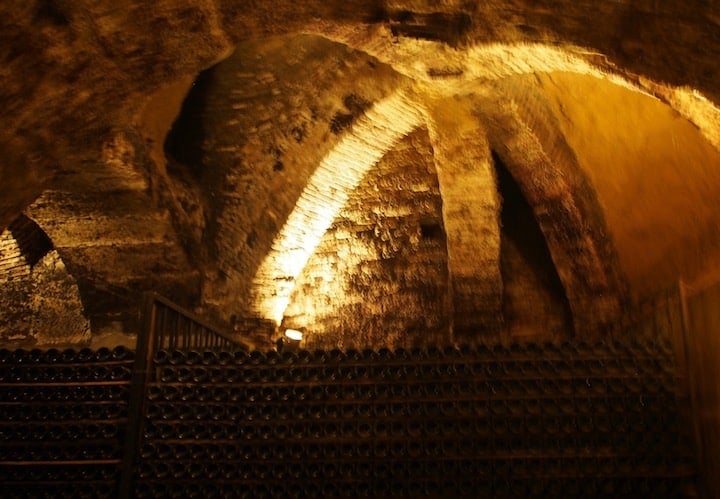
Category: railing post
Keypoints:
(142, 370)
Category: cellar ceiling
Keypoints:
(323, 165)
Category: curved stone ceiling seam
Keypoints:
(326, 193)
(453, 68)
(465, 70)
(693, 106)
(568, 213)
(471, 217)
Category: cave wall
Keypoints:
(101, 62)
(40, 302)
(259, 134)
(113, 235)
(380, 274)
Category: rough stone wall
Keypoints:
(535, 307)
(471, 211)
(523, 134)
(115, 239)
(39, 302)
(379, 276)
(264, 130)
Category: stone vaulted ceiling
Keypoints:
(335, 167)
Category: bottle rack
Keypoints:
(569, 420)
(63, 414)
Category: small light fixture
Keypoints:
(294, 334)
(290, 341)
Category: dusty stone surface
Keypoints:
(41, 302)
(380, 274)
(114, 236)
(91, 89)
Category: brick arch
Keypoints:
(32, 241)
(537, 156)
(586, 260)
(327, 190)
(41, 301)
(522, 131)
(514, 121)
(54, 118)
(462, 70)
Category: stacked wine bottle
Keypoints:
(569, 420)
(62, 418)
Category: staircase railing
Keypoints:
(168, 325)
(165, 326)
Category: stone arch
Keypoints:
(42, 303)
(115, 250)
(471, 208)
(327, 190)
(522, 132)
(265, 133)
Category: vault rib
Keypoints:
(327, 191)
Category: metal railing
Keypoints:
(169, 326)
(165, 325)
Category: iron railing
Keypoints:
(169, 326)
(165, 325)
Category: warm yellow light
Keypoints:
(294, 334)
(442, 70)
(326, 193)
(696, 108)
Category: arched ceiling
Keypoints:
(325, 194)
(101, 59)
(656, 177)
(540, 85)
(500, 103)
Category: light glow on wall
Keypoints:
(338, 174)
(695, 107)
